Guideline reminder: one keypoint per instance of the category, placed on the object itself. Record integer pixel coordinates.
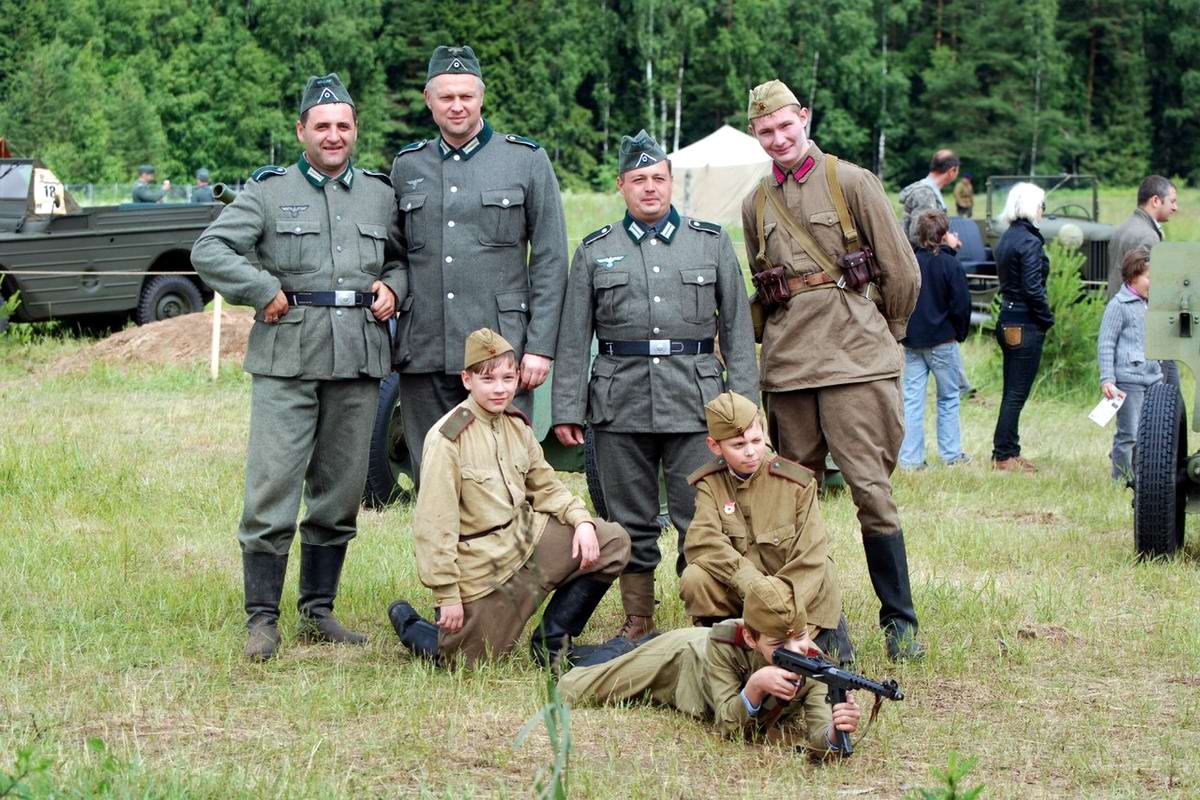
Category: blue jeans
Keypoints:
(944, 362)
(1126, 434)
(1021, 344)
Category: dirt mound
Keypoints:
(182, 340)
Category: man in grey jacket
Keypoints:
(926, 193)
(656, 288)
(484, 244)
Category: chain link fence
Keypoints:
(112, 194)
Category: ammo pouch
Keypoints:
(772, 287)
(858, 267)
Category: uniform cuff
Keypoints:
(578, 516)
(751, 709)
(271, 287)
(446, 595)
(744, 577)
(898, 327)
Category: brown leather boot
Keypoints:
(637, 598)
(1014, 464)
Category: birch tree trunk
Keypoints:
(678, 103)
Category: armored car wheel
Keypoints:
(389, 467)
(167, 296)
(1160, 459)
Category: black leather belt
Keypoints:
(656, 347)
(466, 537)
(351, 299)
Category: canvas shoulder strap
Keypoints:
(839, 202)
(815, 252)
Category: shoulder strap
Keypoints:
(800, 235)
(760, 202)
(839, 202)
(708, 469)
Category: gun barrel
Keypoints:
(223, 193)
(825, 672)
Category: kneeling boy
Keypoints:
(725, 676)
(495, 531)
(756, 514)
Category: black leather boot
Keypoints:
(262, 577)
(320, 569)
(418, 635)
(888, 565)
(566, 615)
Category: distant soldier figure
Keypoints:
(143, 192)
(656, 289)
(484, 243)
(1157, 201)
(927, 192)
(964, 196)
(325, 235)
(836, 282)
(203, 192)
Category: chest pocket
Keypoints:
(699, 294)
(298, 245)
(608, 295)
(503, 217)
(774, 546)
(412, 208)
(371, 241)
(824, 227)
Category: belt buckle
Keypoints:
(660, 347)
(344, 298)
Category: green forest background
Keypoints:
(95, 87)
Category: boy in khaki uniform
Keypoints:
(724, 675)
(495, 531)
(756, 514)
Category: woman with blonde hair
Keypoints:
(1025, 316)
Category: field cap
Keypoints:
(448, 60)
(483, 344)
(769, 97)
(770, 609)
(322, 90)
(639, 151)
(729, 415)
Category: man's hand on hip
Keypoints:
(384, 307)
(276, 308)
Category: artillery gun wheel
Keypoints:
(167, 296)
(1159, 497)
(389, 467)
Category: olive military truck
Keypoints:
(94, 264)
(1166, 475)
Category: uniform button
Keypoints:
(408, 207)
(450, 224)
(340, 281)
(654, 241)
(656, 361)
(449, 295)
(656, 269)
(657, 299)
(298, 229)
(656, 330)
(457, 157)
(338, 312)
(339, 217)
(449, 259)
(453, 188)
(522, 306)
(700, 279)
(339, 248)
(504, 202)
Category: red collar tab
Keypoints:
(799, 173)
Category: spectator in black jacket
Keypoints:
(1025, 316)
(940, 321)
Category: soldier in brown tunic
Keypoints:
(724, 675)
(831, 358)
(756, 514)
(495, 531)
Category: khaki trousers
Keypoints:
(493, 623)
(861, 424)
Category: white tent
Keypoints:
(713, 175)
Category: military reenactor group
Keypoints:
(453, 272)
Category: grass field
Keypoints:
(1064, 665)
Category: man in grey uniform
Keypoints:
(656, 288)
(325, 235)
(484, 244)
(143, 192)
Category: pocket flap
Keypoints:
(408, 202)
(705, 276)
(608, 279)
(505, 198)
(297, 227)
(406, 304)
(708, 369)
(373, 230)
(512, 301)
(824, 218)
(294, 315)
(603, 368)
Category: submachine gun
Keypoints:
(839, 682)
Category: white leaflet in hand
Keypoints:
(1106, 409)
